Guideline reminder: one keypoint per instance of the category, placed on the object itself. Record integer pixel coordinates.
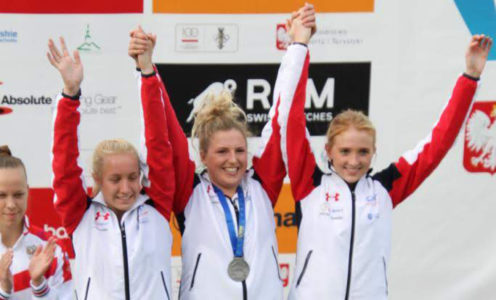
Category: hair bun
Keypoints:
(5, 151)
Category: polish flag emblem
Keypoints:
(479, 154)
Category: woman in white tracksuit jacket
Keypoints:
(204, 201)
(344, 238)
(121, 234)
(32, 265)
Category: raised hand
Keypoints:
(70, 69)
(41, 261)
(302, 24)
(5, 274)
(476, 56)
(141, 48)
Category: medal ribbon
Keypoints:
(236, 240)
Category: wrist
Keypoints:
(147, 69)
(40, 290)
(472, 76)
(5, 292)
(36, 282)
(71, 91)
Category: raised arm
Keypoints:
(404, 176)
(291, 90)
(71, 199)
(184, 167)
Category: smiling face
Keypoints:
(351, 153)
(13, 197)
(119, 181)
(226, 159)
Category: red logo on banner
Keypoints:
(479, 153)
(71, 7)
(282, 38)
(5, 110)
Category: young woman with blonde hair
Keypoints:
(344, 238)
(32, 265)
(229, 246)
(120, 234)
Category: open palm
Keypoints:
(477, 53)
(41, 261)
(70, 69)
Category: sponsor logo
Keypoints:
(480, 17)
(59, 232)
(479, 153)
(29, 100)
(284, 271)
(5, 110)
(93, 104)
(88, 45)
(334, 197)
(8, 36)
(206, 38)
(340, 37)
(331, 88)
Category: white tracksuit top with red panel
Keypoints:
(344, 238)
(58, 279)
(129, 259)
(206, 247)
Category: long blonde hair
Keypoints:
(217, 112)
(107, 147)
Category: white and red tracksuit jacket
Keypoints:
(58, 279)
(344, 238)
(206, 247)
(129, 259)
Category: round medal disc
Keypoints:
(238, 269)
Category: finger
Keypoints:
(37, 251)
(53, 50)
(77, 58)
(51, 60)
(64, 47)
(139, 40)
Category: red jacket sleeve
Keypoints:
(70, 200)
(297, 152)
(184, 167)
(404, 176)
(156, 149)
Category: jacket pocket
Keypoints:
(385, 274)
(194, 271)
(87, 288)
(304, 268)
(277, 263)
(165, 285)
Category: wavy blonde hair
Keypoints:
(107, 147)
(217, 112)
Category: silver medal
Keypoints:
(238, 269)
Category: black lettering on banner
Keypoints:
(331, 88)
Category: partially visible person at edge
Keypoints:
(229, 247)
(120, 234)
(32, 265)
(344, 238)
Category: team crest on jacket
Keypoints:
(30, 250)
(101, 220)
(480, 138)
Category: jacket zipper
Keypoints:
(194, 271)
(165, 285)
(352, 239)
(126, 266)
(385, 275)
(245, 292)
(304, 268)
(277, 263)
(87, 289)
